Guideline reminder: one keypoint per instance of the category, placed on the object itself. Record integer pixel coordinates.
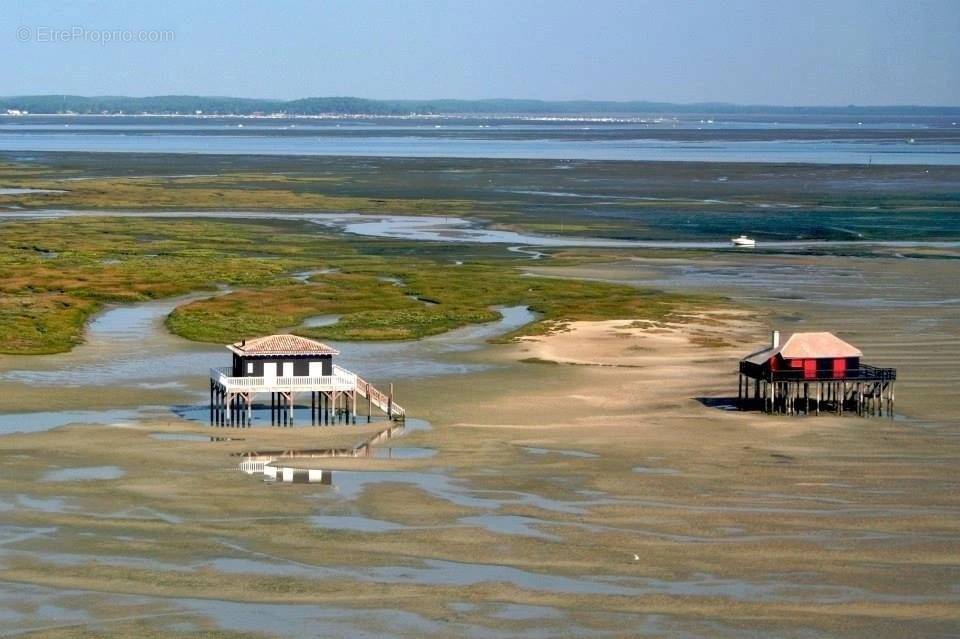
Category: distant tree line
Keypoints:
(190, 104)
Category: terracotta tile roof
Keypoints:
(807, 346)
(282, 345)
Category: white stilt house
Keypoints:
(284, 366)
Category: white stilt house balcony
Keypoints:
(284, 366)
(341, 380)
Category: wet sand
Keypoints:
(582, 484)
(903, 313)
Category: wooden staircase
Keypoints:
(380, 399)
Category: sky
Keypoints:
(790, 52)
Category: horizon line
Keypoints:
(544, 101)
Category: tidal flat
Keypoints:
(766, 526)
(605, 494)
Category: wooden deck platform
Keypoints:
(332, 397)
(866, 390)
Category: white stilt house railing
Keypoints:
(341, 380)
(227, 390)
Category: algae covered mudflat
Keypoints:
(632, 200)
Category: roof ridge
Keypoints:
(807, 345)
(281, 343)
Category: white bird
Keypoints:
(636, 557)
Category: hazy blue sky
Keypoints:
(770, 51)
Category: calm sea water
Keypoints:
(837, 141)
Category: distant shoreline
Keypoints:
(200, 106)
(618, 119)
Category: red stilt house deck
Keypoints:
(814, 372)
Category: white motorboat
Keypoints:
(743, 240)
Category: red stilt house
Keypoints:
(785, 374)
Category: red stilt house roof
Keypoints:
(807, 346)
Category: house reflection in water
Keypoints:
(297, 475)
(270, 463)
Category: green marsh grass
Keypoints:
(55, 273)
